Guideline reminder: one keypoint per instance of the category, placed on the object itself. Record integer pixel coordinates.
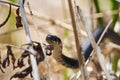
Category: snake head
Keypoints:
(52, 39)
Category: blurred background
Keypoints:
(53, 17)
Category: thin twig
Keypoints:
(101, 37)
(75, 32)
(96, 48)
(63, 24)
(32, 58)
(115, 46)
(14, 46)
(44, 17)
(79, 51)
(40, 40)
(91, 13)
(83, 70)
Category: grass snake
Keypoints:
(86, 47)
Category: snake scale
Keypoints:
(86, 47)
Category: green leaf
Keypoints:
(114, 6)
(97, 7)
(13, 1)
(65, 76)
(115, 61)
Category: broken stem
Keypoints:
(79, 51)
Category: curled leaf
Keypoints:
(18, 19)
(6, 62)
(23, 73)
(20, 62)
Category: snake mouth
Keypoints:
(52, 39)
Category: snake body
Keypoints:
(86, 47)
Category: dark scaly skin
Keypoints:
(86, 47)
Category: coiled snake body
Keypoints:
(86, 47)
